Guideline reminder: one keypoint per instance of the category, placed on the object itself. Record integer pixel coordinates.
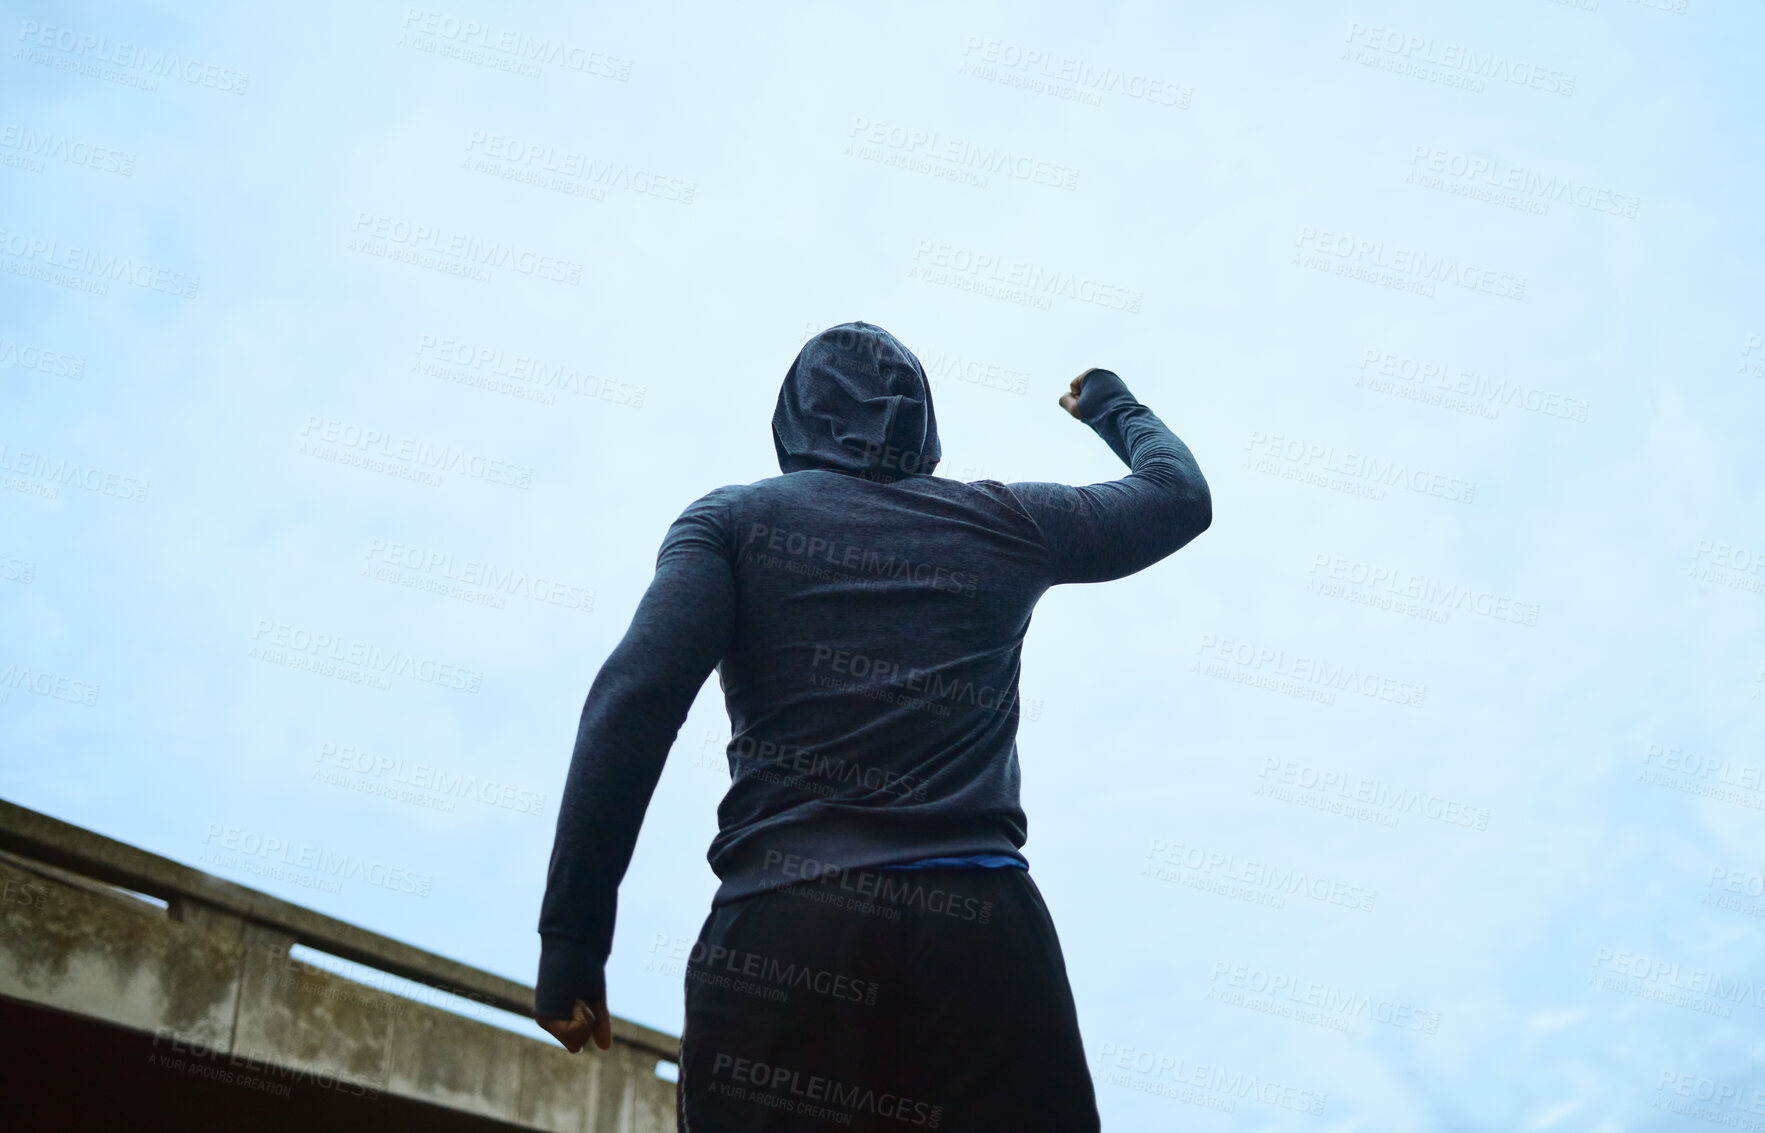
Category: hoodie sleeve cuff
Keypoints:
(1102, 391)
(568, 971)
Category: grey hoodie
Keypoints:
(866, 620)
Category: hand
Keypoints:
(584, 1023)
(1070, 401)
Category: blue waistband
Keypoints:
(981, 861)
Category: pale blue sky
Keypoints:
(723, 181)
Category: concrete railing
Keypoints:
(211, 972)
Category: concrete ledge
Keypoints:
(210, 976)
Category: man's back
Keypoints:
(872, 678)
(872, 675)
(867, 620)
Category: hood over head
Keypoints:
(856, 400)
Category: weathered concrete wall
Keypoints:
(213, 982)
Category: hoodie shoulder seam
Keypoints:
(731, 530)
(1023, 511)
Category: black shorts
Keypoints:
(884, 1000)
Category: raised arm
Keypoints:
(1105, 531)
(634, 711)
